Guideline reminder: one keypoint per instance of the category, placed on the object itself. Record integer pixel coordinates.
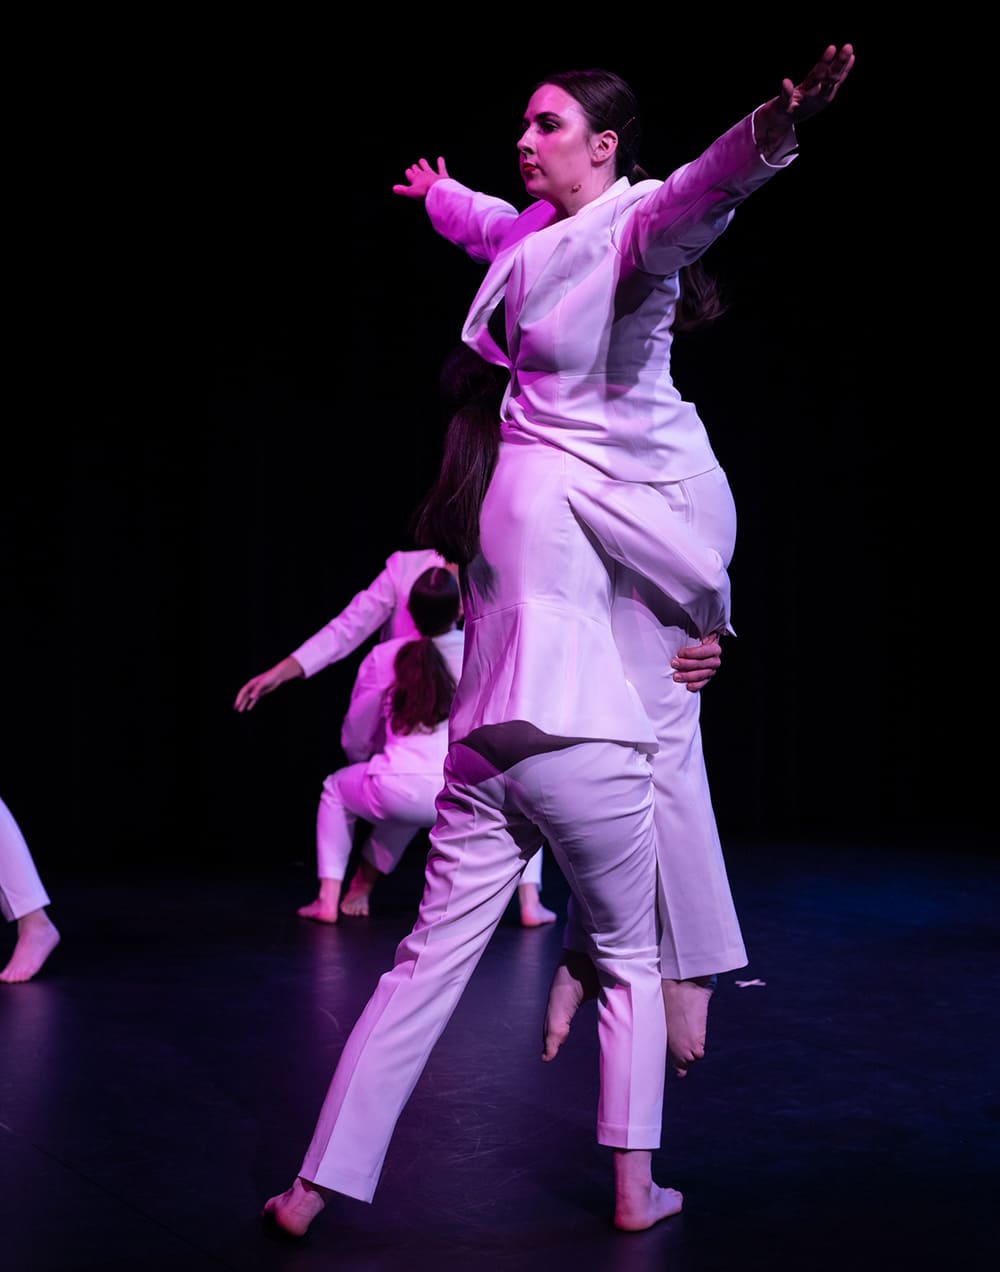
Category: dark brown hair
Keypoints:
(423, 689)
(447, 518)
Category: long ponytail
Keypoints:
(422, 691)
(447, 518)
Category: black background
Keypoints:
(224, 405)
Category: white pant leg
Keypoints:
(488, 823)
(533, 870)
(336, 818)
(388, 840)
(21, 890)
(386, 844)
(606, 851)
(700, 932)
(406, 805)
(398, 807)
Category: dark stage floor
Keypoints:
(161, 1076)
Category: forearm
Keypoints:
(363, 617)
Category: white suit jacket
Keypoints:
(367, 732)
(382, 605)
(539, 645)
(589, 304)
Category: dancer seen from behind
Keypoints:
(381, 609)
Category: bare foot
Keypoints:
(533, 913)
(360, 889)
(293, 1211)
(356, 903)
(685, 1005)
(318, 911)
(575, 981)
(326, 906)
(37, 937)
(639, 1203)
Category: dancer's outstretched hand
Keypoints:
(798, 102)
(775, 121)
(420, 176)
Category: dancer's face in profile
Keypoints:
(555, 146)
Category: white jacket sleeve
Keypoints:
(683, 215)
(361, 618)
(478, 223)
(363, 730)
(635, 526)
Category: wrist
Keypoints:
(773, 132)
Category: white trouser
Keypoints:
(398, 807)
(592, 804)
(700, 933)
(21, 889)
